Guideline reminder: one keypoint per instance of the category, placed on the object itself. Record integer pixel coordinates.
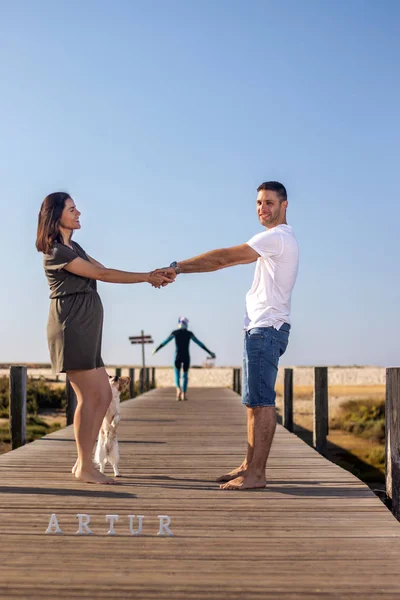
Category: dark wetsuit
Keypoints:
(182, 357)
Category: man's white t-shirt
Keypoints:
(268, 301)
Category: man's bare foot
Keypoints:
(245, 482)
(184, 396)
(75, 467)
(178, 394)
(93, 476)
(233, 474)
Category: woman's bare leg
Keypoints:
(89, 387)
(106, 395)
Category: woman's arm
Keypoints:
(83, 268)
(95, 262)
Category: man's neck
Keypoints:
(277, 224)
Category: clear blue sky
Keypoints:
(161, 118)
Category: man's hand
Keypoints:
(159, 278)
(168, 272)
(212, 355)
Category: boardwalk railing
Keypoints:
(392, 415)
(18, 380)
(18, 398)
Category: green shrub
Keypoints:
(363, 417)
(39, 396)
(376, 456)
(35, 429)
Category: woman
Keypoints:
(75, 323)
(182, 357)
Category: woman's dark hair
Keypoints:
(274, 186)
(48, 231)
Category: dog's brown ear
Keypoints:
(123, 383)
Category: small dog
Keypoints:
(107, 443)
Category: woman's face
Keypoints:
(70, 216)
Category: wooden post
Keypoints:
(17, 406)
(132, 383)
(71, 402)
(288, 400)
(320, 409)
(234, 386)
(143, 355)
(147, 379)
(392, 417)
(141, 380)
(118, 371)
(153, 377)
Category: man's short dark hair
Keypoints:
(274, 186)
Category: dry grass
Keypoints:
(347, 391)
(361, 456)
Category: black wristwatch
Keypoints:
(174, 265)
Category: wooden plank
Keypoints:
(315, 531)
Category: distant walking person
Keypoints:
(267, 322)
(75, 324)
(182, 338)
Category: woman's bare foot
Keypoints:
(245, 482)
(92, 475)
(75, 467)
(233, 474)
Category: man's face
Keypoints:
(270, 210)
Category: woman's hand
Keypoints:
(159, 279)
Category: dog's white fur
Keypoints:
(107, 443)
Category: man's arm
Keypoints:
(219, 259)
(215, 260)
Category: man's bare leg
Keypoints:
(264, 430)
(241, 469)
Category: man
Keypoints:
(267, 323)
(182, 338)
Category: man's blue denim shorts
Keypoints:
(263, 346)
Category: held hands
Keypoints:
(160, 278)
(167, 273)
(212, 355)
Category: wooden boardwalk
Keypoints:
(315, 531)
